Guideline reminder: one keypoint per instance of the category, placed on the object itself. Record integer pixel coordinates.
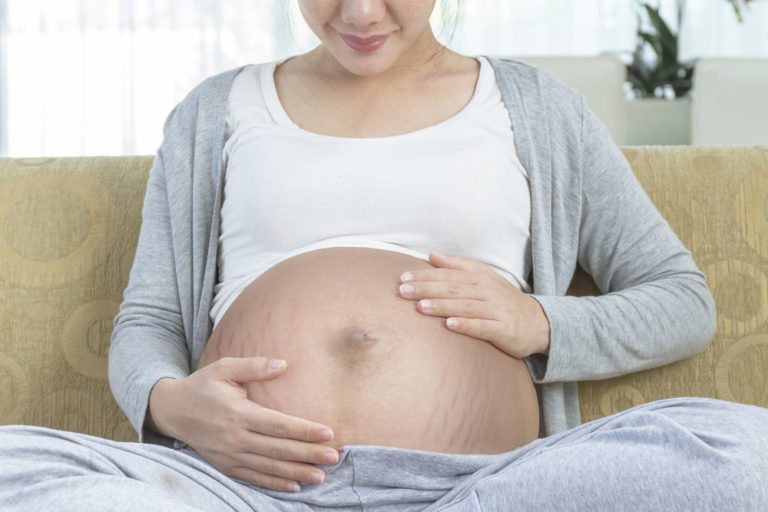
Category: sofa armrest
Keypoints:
(716, 200)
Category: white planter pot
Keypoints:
(656, 121)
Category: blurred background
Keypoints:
(98, 77)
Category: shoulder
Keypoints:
(534, 88)
(530, 79)
(206, 103)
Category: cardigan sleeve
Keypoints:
(656, 307)
(148, 340)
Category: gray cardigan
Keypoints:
(587, 209)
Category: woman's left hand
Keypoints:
(478, 302)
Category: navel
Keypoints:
(357, 337)
(355, 348)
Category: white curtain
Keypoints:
(85, 77)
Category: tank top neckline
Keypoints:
(278, 113)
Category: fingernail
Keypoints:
(407, 289)
(407, 276)
(325, 435)
(330, 457)
(426, 305)
(452, 323)
(274, 364)
(292, 487)
(316, 477)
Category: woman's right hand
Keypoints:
(211, 412)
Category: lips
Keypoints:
(364, 40)
(365, 44)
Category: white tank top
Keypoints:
(456, 187)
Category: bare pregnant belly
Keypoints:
(363, 361)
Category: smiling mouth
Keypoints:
(364, 45)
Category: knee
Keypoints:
(735, 436)
(736, 481)
(719, 423)
(13, 437)
(21, 449)
(19, 441)
(25, 445)
(707, 452)
(21, 435)
(749, 454)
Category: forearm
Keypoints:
(623, 332)
(148, 340)
(655, 308)
(134, 369)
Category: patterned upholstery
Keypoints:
(716, 200)
(68, 230)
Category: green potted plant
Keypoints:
(658, 82)
(664, 75)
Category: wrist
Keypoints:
(159, 398)
(542, 330)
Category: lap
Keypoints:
(41, 467)
(680, 454)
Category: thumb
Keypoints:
(249, 369)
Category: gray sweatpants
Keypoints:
(681, 454)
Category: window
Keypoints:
(84, 77)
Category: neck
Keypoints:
(424, 61)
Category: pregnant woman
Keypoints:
(349, 294)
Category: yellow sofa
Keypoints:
(68, 230)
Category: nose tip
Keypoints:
(362, 12)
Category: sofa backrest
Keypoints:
(728, 101)
(68, 230)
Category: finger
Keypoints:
(456, 307)
(482, 329)
(442, 290)
(291, 450)
(249, 369)
(277, 424)
(268, 481)
(288, 470)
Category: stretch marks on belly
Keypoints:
(367, 363)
